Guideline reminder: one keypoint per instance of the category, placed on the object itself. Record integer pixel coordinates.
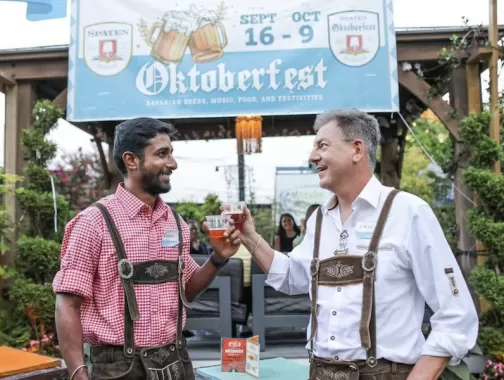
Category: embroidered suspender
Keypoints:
(351, 269)
(149, 272)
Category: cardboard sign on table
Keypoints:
(240, 355)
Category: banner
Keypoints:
(213, 58)
(296, 189)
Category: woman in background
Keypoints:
(286, 233)
(304, 220)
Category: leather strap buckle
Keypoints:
(369, 261)
(371, 362)
(310, 356)
(125, 269)
(314, 267)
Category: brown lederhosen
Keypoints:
(171, 360)
(342, 270)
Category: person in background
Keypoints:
(197, 246)
(286, 233)
(300, 237)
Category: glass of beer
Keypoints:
(217, 225)
(235, 211)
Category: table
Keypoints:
(269, 369)
(55, 373)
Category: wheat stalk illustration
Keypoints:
(143, 30)
(221, 11)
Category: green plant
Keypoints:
(193, 211)
(30, 297)
(417, 176)
(486, 221)
(81, 179)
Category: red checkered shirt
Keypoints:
(89, 269)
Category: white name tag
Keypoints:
(365, 230)
(170, 238)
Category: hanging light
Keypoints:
(248, 134)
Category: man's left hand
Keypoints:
(226, 247)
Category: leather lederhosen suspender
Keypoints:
(344, 270)
(148, 272)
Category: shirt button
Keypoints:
(332, 338)
(339, 289)
(334, 313)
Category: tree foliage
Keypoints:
(486, 222)
(30, 301)
(422, 178)
(81, 180)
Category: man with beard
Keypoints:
(126, 272)
(370, 263)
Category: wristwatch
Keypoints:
(217, 263)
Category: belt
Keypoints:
(382, 366)
(112, 353)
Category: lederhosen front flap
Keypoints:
(148, 272)
(342, 270)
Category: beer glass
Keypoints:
(169, 46)
(217, 225)
(206, 44)
(235, 211)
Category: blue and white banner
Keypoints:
(213, 58)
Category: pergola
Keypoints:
(27, 75)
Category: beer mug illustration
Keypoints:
(206, 44)
(173, 36)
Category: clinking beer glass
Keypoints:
(235, 211)
(206, 43)
(171, 42)
(217, 225)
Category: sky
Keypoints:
(198, 161)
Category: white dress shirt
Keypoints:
(412, 258)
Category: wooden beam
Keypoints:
(419, 88)
(35, 70)
(479, 54)
(473, 87)
(6, 80)
(61, 99)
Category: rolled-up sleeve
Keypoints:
(80, 251)
(291, 274)
(441, 283)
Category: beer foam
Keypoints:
(187, 22)
(204, 16)
(181, 22)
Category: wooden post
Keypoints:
(459, 100)
(20, 100)
(494, 110)
(493, 34)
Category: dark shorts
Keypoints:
(109, 362)
(321, 369)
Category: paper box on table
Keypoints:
(240, 355)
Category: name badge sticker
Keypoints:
(365, 230)
(170, 238)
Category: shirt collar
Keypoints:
(370, 193)
(134, 206)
